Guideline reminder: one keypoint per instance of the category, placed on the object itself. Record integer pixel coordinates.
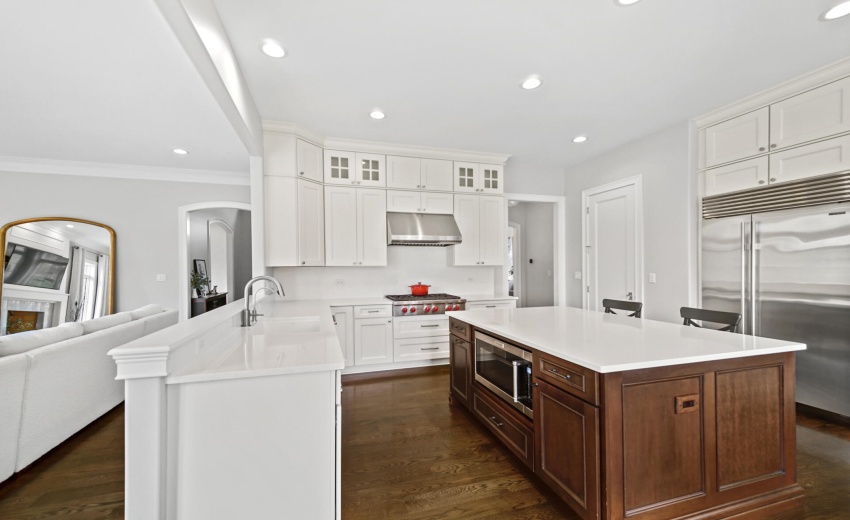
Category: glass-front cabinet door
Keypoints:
(340, 167)
(492, 178)
(466, 178)
(371, 169)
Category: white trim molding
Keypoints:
(121, 171)
(637, 182)
(559, 239)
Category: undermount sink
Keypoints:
(292, 324)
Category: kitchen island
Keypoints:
(637, 418)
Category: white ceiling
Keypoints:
(105, 81)
(447, 72)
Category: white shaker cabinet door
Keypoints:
(281, 217)
(492, 231)
(437, 175)
(492, 178)
(340, 167)
(311, 223)
(340, 225)
(404, 201)
(371, 227)
(309, 160)
(737, 138)
(371, 170)
(737, 176)
(467, 215)
(442, 203)
(403, 172)
(373, 341)
(812, 115)
(820, 158)
(344, 323)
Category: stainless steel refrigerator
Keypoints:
(788, 274)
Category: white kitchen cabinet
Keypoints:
(737, 176)
(479, 178)
(294, 222)
(340, 167)
(355, 226)
(812, 115)
(373, 341)
(491, 304)
(820, 158)
(416, 349)
(421, 327)
(404, 172)
(737, 138)
(309, 160)
(482, 224)
(437, 175)
(371, 170)
(344, 322)
(420, 202)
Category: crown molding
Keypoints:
(832, 72)
(354, 145)
(121, 171)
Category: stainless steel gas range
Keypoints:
(421, 327)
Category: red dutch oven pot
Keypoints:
(419, 289)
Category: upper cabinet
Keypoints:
(289, 156)
(737, 138)
(437, 175)
(482, 224)
(812, 115)
(355, 226)
(420, 202)
(738, 176)
(308, 160)
(355, 169)
(371, 169)
(479, 178)
(820, 158)
(412, 173)
(294, 222)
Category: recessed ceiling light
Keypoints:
(180, 151)
(580, 139)
(842, 9)
(69, 225)
(273, 49)
(377, 114)
(532, 83)
(626, 2)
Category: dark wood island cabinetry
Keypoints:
(701, 440)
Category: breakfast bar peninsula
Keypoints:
(633, 418)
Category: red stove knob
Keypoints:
(413, 309)
(404, 310)
(457, 307)
(448, 308)
(434, 308)
(426, 309)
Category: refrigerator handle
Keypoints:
(752, 278)
(744, 252)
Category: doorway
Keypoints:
(613, 242)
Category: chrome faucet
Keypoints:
(248, 315)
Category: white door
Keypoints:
(404, 201)
(371, 170)
(371, 227)
(311, 223)
(492, 230)
(821, 158)
(437, 175)
(815, 114)
(340, 226)
(736, 176)
(309, 159)
(373, 341)
(612, 246)
(468, 218)
(403, 172)
(438, 203)
(737, 138)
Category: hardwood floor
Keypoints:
(407, 454)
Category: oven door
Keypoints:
(505, 370)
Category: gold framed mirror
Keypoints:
(55, 270)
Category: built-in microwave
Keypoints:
(505, 369)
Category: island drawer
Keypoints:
(569, 377)
(510, 429)
(460, 329)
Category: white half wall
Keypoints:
(143, 214)
(665, 160)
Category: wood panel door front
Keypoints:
(566, 444)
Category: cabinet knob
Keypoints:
(761, 182)
(303, 262)
(761, 149)
(773, 179)
(773, 146)
(300, 173)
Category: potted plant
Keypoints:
(198, 282)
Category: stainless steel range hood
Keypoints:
(422, 229)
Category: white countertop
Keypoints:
(486, 297)
(613, 343)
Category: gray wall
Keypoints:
(143, 214)
(239, 221)
(665, 161)
(536, 243)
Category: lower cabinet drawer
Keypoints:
(420, 348)
(577, 380)
(515, 432)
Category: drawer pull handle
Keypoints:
(429, 326)
(430, 348)
(555, 371)
(370, 312)
(490, 306)
(496, 421)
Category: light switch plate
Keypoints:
(651, 277)
(578, 275)
(161, 278)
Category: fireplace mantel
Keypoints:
(19, 298)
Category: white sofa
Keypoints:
(53, 382)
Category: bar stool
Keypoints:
(730, 319)
(623, 305)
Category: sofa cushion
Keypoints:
(75, 327)
(159, 321)
(25, 341)
(105, 322)
(13, 374)
(147, 310)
